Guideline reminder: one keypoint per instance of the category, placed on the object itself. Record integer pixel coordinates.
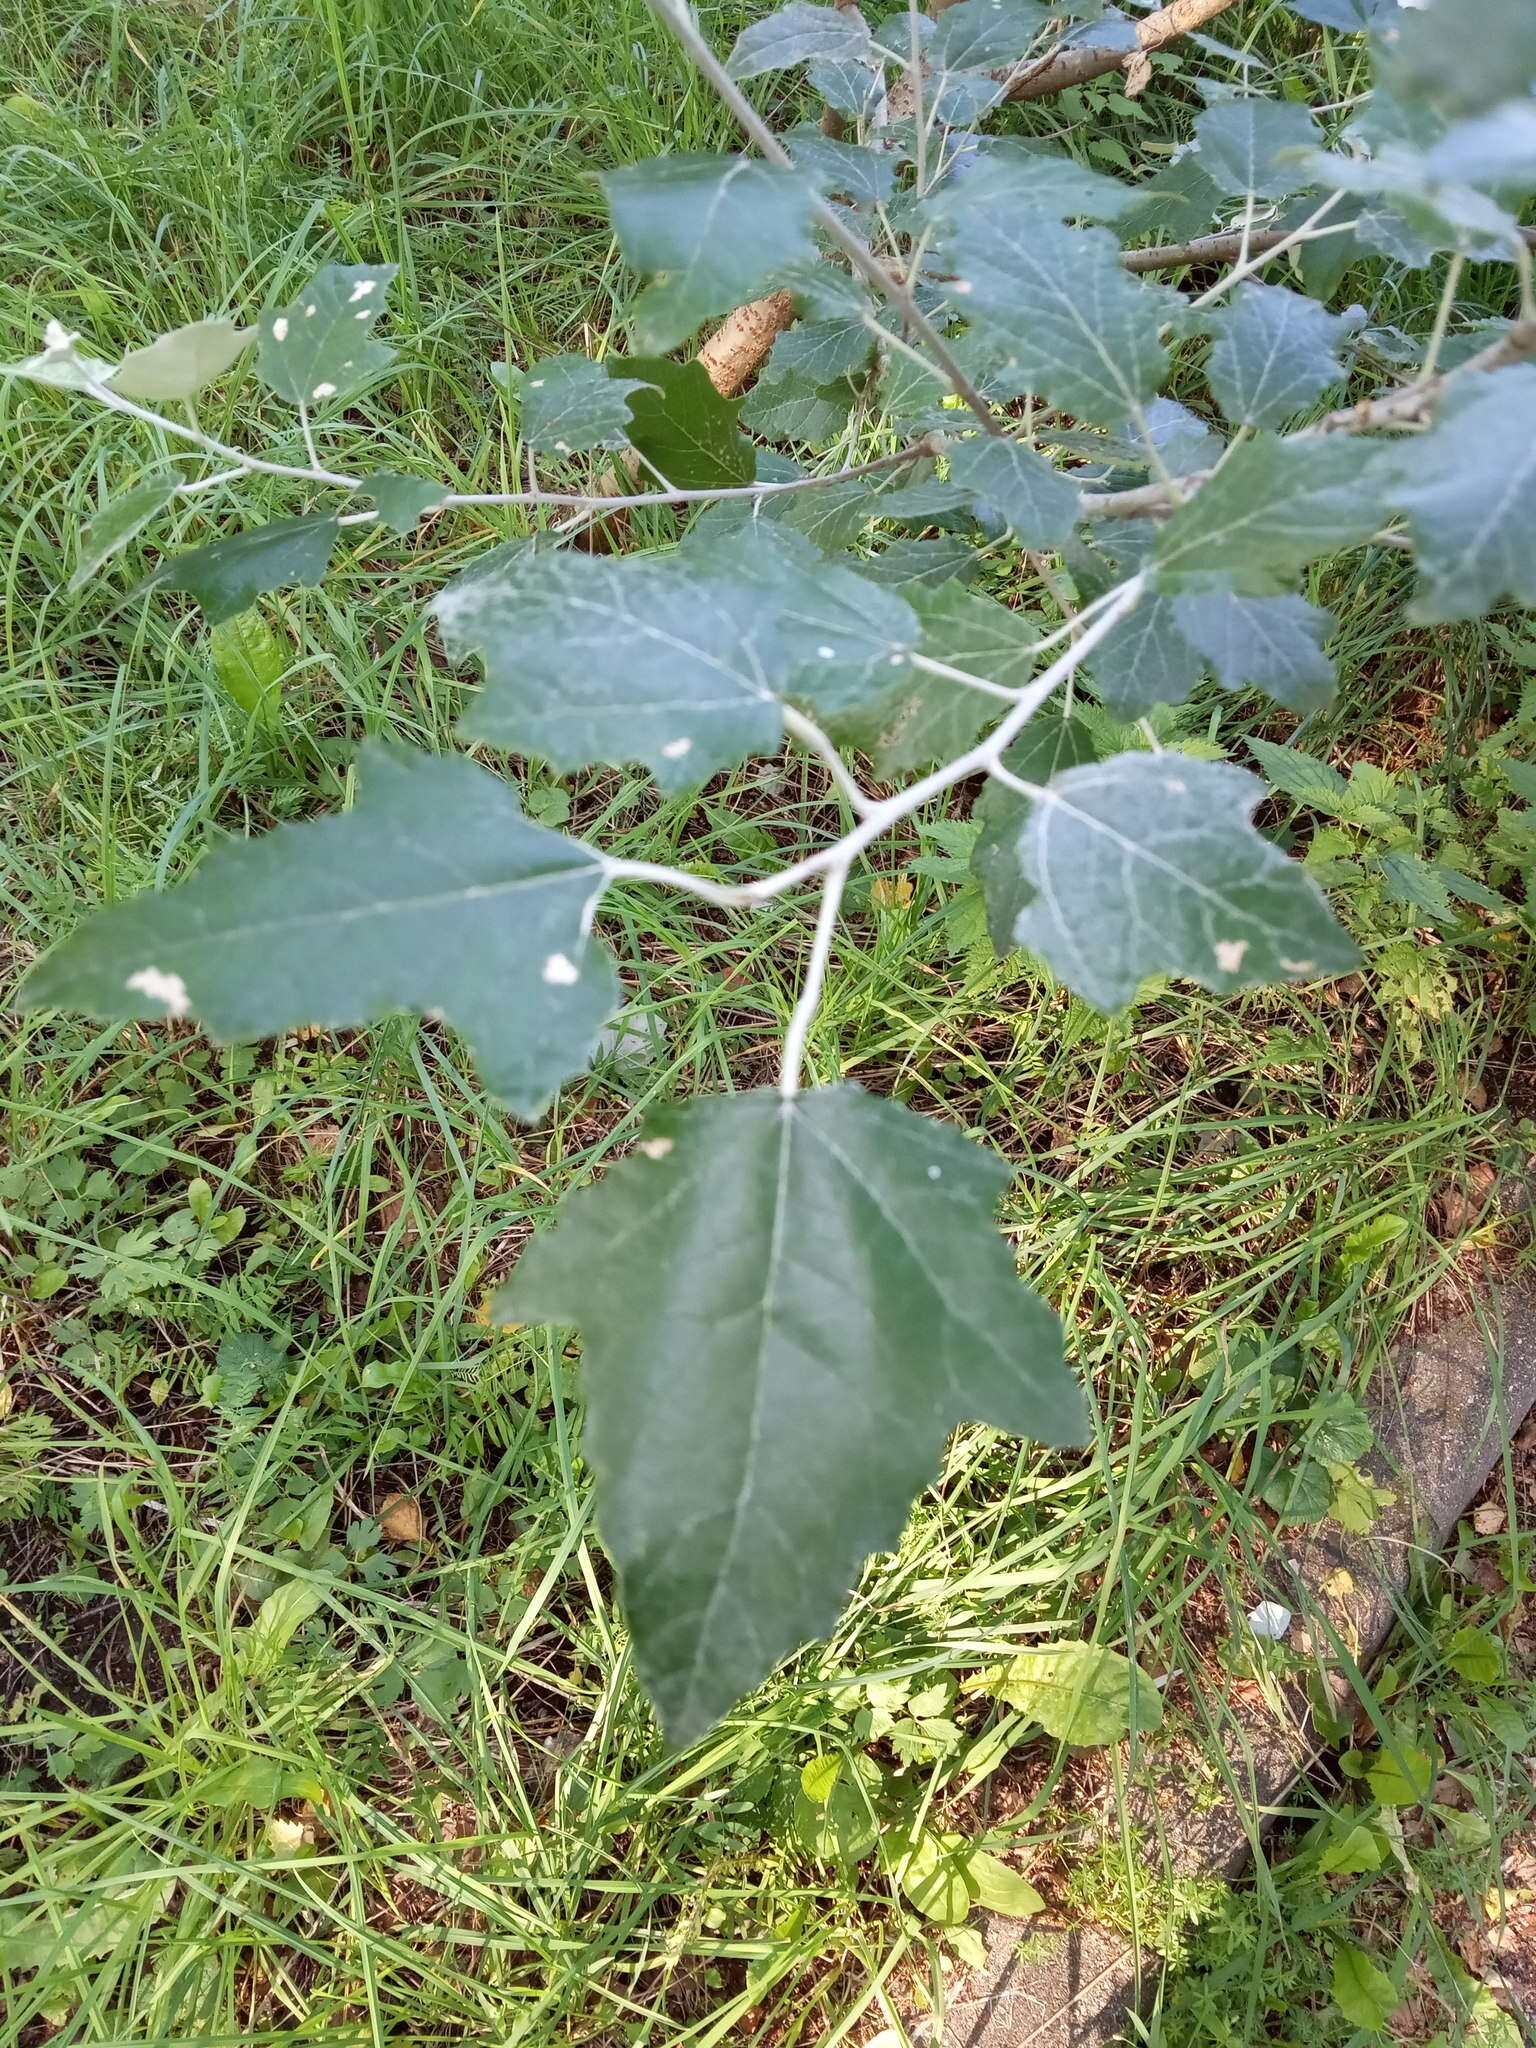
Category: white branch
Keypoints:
(800, 1023)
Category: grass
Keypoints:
(280, 1765)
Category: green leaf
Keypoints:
(933, 1875)
(1496, 148)
(570, 403)
(819, 1775)
(1065, 313)
(683, 426)
(842, 1829)
(918, 566)
(839, 640)
(1271, 508)
(709, 231)
(821, 350)
(1463, 55)
(119, 520)
(982, 35)
(435, 893)
(866, 177)
(759, 1424)
(228, 576)
(402, 501)
(1020, 487)
(642, 658)
(795, 34)
(1081, 1693)
(321, 348)
(1339, 1430)
(1402, 1774)
(1276, 352)
(1272, 644)
(1357, 1851)
(1476, 1656)
(1257, 146)
(1298, 1489)
(1365, 1995)
(1318, 784)
(1417, 884)
(784, 406)
(1145, 660)
(1000, 1888)
(1028, 176)
(255, 1781)
(1146, 864)
(180, 363)
(250, 661)
(1048, 745)
(1468, 491)
(922, 718)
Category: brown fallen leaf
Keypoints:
(1489, 1519)
(401, 1519)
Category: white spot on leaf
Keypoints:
(279, 330)
(362, 289)
(935, 1173)
(962, 285)
(323, 391)
(310, 312)
(561, 971)
(674, 750)
(1229, 955)
(826, 653)
(1174, 787)
(536, 384)
(169, 989)
(655, 1148)
(1298, 966)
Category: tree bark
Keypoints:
(1074, 67)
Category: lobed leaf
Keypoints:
(758, 1424)
(982, 35)
(1064, 311)
(683, 426)
(571, 403)
(322, 347)
(60, 363)
(709, 231)
(180, 363)
(1272, 644)
(638, 658)
(1082, 1693)
(795, 34)
(1020, 488)
(1257, 145)
(228, 576)
(1272, 507)
(1468, 491)
(1276, 352)
(434, 893)
(1050, 743)
(1146, 863)
(840, 639)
